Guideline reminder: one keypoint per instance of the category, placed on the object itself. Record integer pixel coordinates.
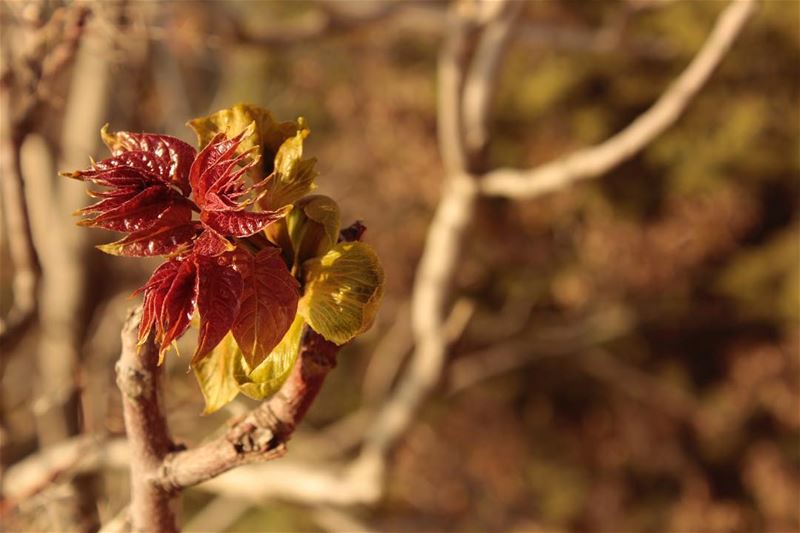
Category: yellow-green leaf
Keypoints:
(265, 379)
(215, 374)
(293, 176)
(313, 227)
(267, 137)
(343, 291)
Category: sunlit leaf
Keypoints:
(172, 156)
(268, 306)
(155, 205)
(266, 378)
(218, 169)
(219, 288)
(215, 374)
(313, 227)
(278, 234)
(343, 291)
(293, 176)
(266, 137)
(159, 240)
(179, 304)
(155, 290)
(239, 223)
(141, 177)
(210, 243)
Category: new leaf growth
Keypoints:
(246, 250)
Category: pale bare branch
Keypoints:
(597, 160)
(481, 83)
(442, 251)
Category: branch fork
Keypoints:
(160, 470)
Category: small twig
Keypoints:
(392, 349)
(641, 386)
(445, 235)
(390, 352)
(597, 160)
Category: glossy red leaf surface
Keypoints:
(268, 304)
(146, 187)
(179, 304)
(217, 178)
(211, 243)
(210, 162)
(239, 223)
(155, 290)
(143, 211)
(159, 240)
(140, 196)
(219, 288)
(171, 157)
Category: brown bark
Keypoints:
(139, 381)
(261, 435)
(158, 471)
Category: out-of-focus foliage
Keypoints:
(633, 361)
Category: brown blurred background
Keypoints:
(627, 358)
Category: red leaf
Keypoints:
(179, 304)
(219, 287)
(141, 174)
(111, 200)
(210, 162)
(239, 223)
(164, 239)
(217, 175)
(172, 157)
(155, 290)
(211, 243)
(116, 192)
(131, 169)
(154, 205)
(268, 305)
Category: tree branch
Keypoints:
(27, 272)
(481, 82)
(328, 19)
(596, 161)
(139, 380)
(451, 220)
(262, 434)
(25, 83)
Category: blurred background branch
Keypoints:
(596, 161)
(621, 355)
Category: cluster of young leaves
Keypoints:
(250, 254)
